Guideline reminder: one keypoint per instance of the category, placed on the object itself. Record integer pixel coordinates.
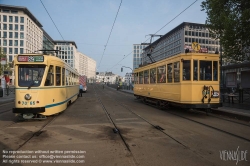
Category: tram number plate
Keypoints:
(28, 103)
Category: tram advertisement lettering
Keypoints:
(30, 59)
(38, 59)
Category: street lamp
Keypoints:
(131, 73)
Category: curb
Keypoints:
(232, 114)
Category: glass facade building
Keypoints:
(137, 51)
(178, 39)
(68, 51)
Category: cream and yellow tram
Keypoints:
(45, 85)
(189, 80)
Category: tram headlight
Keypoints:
(27, 97)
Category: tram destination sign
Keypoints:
(30, 58)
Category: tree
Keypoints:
(7, 66)
(229, 21)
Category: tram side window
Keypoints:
(140, 77)
(50, 77)
(161, 74)
(146, 80)
(186, 70)
(63, 76)
(153, 76)
(58, 76)
(215, 70)
(206, 70)
(67, 77)
(177, 72)
(170, 71)
(74, 81)
(70, 77)
(195, 77)
(136, 78)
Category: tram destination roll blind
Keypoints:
(30, 58)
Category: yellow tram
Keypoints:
(189, 80)
(45, 85)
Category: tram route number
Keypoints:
(28, 102)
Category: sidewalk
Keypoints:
(244, 112)
(7, 99)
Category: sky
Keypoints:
(89, 24)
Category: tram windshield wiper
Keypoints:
(33, 82)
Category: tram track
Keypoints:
(147, 121)
(116, 128)
(207, 125)
(158, 128)
(195, 121)
(38, 132)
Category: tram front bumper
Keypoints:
(28, 110)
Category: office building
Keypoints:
(177, 40)
(20, 31)
(137, 51)
(68, 52)
(87, 66)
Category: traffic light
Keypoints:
(121, 69)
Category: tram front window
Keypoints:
(30, 75)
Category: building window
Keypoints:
(22, 19)
(4, 42)
(21, 50)
(5, 50)
(4, 26)
(10, 26)
(10, 43)
(16, 43)
(16, 19)
(21, 42)
(10, 18)
(10, 34)
(10, 51)
(16, 51)
(10, 58)
(21, 35)
(21, 27)
(16, 35)
(16, 27)
(14, 11)
(4, 18)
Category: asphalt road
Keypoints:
(146, 136)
